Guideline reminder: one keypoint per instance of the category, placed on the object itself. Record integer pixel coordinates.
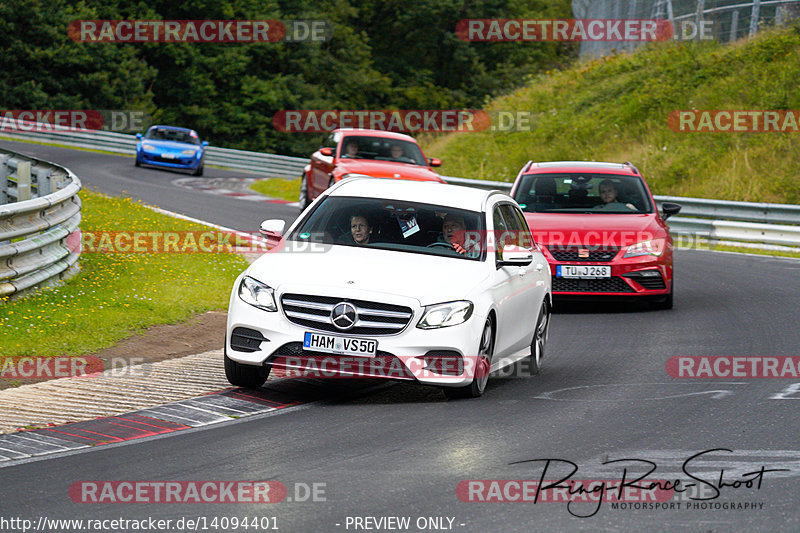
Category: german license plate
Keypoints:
(317, 342)
(583, 271)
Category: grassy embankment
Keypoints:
(284, 189)
(616, 109)
(115, 294)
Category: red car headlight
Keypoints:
(654, 247)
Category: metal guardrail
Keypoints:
(722, 20)
(39, 217)
(753, 224)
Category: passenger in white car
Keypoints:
(360, 229)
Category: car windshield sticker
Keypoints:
(305, 235)
(408, 226)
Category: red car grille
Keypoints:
(577, 253)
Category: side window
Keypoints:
(517, 229)
(331, 141)
(500, 232)
(525, 238)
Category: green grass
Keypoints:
(743, 250)
(616, 108)
(284, 189)
(115, 295)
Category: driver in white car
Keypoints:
(454, 233)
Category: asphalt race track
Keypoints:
(401, 450)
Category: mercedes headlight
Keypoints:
(257, 294)
(653, 247)
(446, 314)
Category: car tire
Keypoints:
(137, 163)
(250, 376)
(483, 365)
(540, 335)
(199, 171)
(303, 202)
(665, 302)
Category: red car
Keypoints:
(599, 228)
(376, 153)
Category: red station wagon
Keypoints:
(599, 228)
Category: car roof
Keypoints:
(376, 133)
(436, 193)
(580, 166)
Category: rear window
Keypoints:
(583, 193)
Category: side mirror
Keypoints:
(139, 136)
(513, 255)
(327, 152)
(434, 162)
(204, 144)
(272, 229)
(668, 209)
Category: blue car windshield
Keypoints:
(165, 134)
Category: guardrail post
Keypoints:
(23, 181)
(754, 17)
(701, 7)
(43, 182)
(56, 180)
(632, 15)
(4, 197)
(734, 25)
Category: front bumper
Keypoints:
(441, 357)
(185, 163)
(635, 277)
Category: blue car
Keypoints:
(171, 147)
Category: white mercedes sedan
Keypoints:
(393, 279)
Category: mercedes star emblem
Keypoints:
(344, 315)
